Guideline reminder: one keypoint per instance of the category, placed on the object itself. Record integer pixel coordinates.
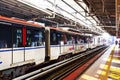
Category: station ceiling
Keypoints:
(14, 8)
(105, 11)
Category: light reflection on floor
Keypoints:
(116, 60)
(87, 77)
(114, 73)
(105, 67)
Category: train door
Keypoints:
(35, 48)
(55, 40)
(69, 43)
(63, 43)
(77, 45)
(18, 44)
(5, 45)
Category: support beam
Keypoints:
(109, 26)
(47, 44)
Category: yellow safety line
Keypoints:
(114, 72)
(104, 73)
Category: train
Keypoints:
(23, 42)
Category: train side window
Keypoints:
(64, 38)
(98, 40)
(85, 39)
(78, 40)
(17, 37)
(75, 39)
(70, 39)
(55, 38)
(81, 41)
(34, 38)
(58, 38)
(29, 41)
(5, 36)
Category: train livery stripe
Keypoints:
(19, 21)
(22, 49)
(5, 50)
(54, 45)
(0, 62)
(32, 48)
(25, 49)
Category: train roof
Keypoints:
(65, 31)
(24, 22)
(19, 21)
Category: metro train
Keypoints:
(23, 42)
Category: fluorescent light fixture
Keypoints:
(35, 6)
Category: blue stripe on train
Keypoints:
(27, 48)
(21, 49)
(32, 48)
(0, 62)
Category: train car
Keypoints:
(20, 42)
(65, 43)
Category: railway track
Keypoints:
(61, 69)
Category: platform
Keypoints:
(107, 67)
